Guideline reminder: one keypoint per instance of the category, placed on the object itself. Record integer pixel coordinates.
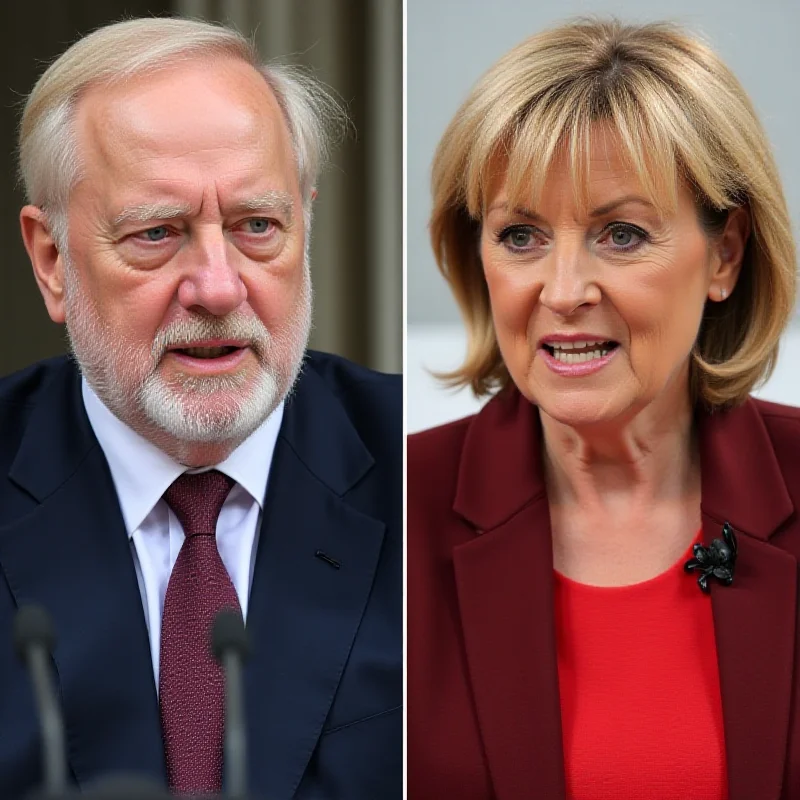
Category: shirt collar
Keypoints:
(142, 473)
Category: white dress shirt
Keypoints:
(142, 473)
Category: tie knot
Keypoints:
(197, 498)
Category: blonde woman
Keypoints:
(602, 572)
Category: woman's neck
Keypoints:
(652, 456)
(610, 486)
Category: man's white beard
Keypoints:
(184, 408)
(183, 411)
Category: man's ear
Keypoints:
(729, 249)
(47, 262)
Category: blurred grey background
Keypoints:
(356, 48)
(451, 43)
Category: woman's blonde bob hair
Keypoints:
(681, 116)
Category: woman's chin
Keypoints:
(585, 410)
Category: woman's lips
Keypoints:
(576, 370)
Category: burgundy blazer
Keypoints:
(484, 719)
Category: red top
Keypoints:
(640, 699)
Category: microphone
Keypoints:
(34, 641)
(717, 561)
(230, 647)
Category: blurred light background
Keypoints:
(451, 43)
(355, 47)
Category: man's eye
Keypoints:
(257, 225)
(156, 234)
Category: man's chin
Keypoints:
(220, 388)
(210, 409)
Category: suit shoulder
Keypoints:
(782, 423)
(20, 393)
(23, 389)
(433, 458)
(350, 381)
(436, 447)
(340, 371)
(777, 411)
(372, 400)
(783, 428)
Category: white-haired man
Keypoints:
(182, 467)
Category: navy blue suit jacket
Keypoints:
(324, 679)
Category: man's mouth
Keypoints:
(206, 352)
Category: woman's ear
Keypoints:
(728, 253)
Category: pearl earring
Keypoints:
(723, 293)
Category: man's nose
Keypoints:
(568, 279)
(211, 280)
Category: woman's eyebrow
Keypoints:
(519, 211)
(599, 211)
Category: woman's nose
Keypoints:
(568, 280)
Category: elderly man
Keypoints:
(182, 466)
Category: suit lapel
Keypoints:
(754, 619)
(505, 595)
(304, 612)
(754, 622)
(504, 580)
(72, 556)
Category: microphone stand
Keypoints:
(230, 647)
(34, 641)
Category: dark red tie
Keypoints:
(191, 683)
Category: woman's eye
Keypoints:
(156, 234)
(518, 237)
(257, 225)
(626, 237)
(621, 237)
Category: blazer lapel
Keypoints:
(754, 618)
(504, 580)
(304, 610)
(72, 556)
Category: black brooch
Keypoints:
(717, 561)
